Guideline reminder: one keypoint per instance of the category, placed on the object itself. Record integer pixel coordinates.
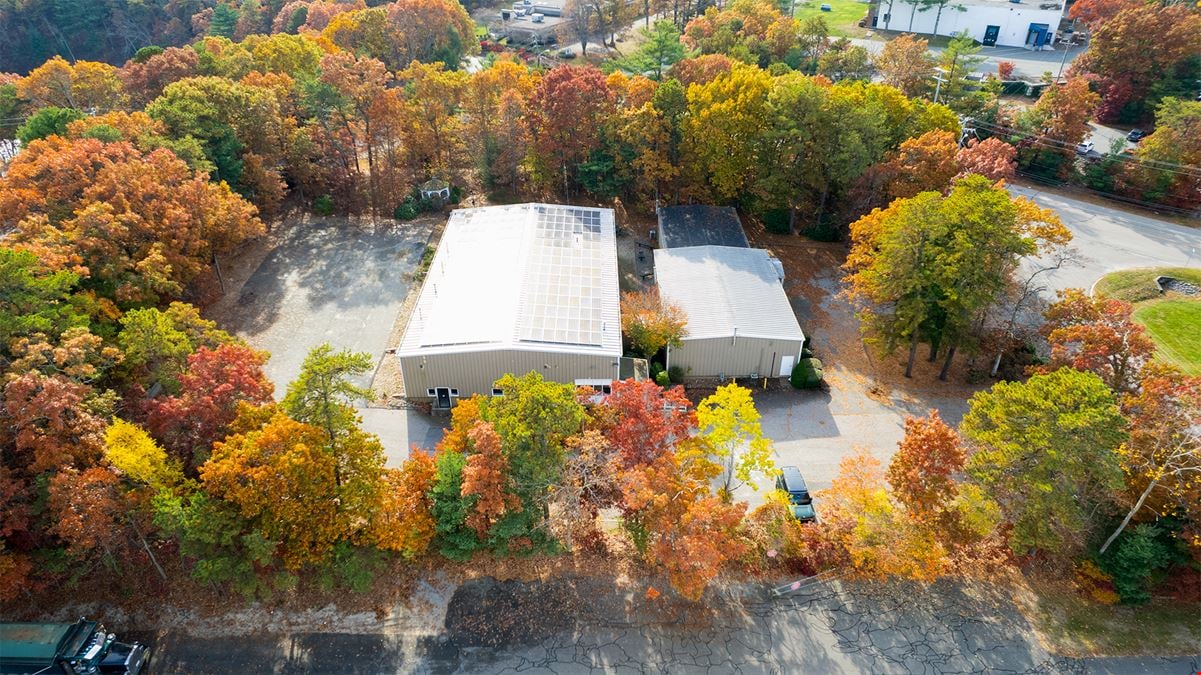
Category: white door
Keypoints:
(786, 364)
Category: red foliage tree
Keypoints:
(215, 382)
(993, 158)
(571, 106)
(145, 80)
(86, 507)
(701, 69)
(1097, 335)
(647, 420)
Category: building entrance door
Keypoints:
(442, 395)
(990, 36)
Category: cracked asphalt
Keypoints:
(823, 628)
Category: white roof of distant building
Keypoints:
(538, 277)
(724, 289)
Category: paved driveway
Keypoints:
(342, 284)
(1112, 239)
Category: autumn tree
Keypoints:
(906, 64)
(590, 481)
(1139, 55)
(723, 131)
(87, 508)
(1162, 456)
(922, 473)
(494, 110)
(869, 532)
(647, 420)
(404, 522)
(660, 50)
(52, 423)
(145, 80)
(650, 324)
(137, 227)
(922, 164)
(211, 388)
(729, 426)
(281, 480)
(486, 481)
(84, 85)
(570, 106)
(1094, 13)
(992, 158)
(1047, 451)
(1060, 118)
(1098, 335)
(928, 266)
(134, 453)
(678, 522)
(845, 61)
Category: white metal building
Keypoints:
(1003, 23)
(740, 323)
(514, 289)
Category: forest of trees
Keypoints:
(139, 440)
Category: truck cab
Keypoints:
(80, 648)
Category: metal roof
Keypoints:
(35, 641)
(726, 290)
(700, 225)
(538, 277)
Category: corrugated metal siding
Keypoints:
(474, 372)
(724, 356)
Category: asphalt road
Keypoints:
(1112, 239)
(587, 625)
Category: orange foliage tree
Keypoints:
(681, 524)
(648, 420)
(922, 472)
(144, 225)
(404, 522)
(486, 477)
(280, 479)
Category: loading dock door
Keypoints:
(990, 36)
(1038, 35)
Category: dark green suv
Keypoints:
(790, 480)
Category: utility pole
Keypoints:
(1067, 47)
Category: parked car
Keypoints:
(1136, 135)
(1084, 148)
(790, 481)
(567, 53)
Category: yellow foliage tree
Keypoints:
(132, 451)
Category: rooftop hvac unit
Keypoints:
(518, 11)
(537, 18)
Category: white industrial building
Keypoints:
(514, 289)
(1004, 23)
(740, 322)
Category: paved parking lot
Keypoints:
(337, 282)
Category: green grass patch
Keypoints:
(843, 18)
(1175, 325)
(1137, 285)
(1077, 626)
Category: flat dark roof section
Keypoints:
(700, 225)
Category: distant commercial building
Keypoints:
(514, 289)
(740, 322)
(1002, 23)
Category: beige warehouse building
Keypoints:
(514, 289)
(740, 322)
